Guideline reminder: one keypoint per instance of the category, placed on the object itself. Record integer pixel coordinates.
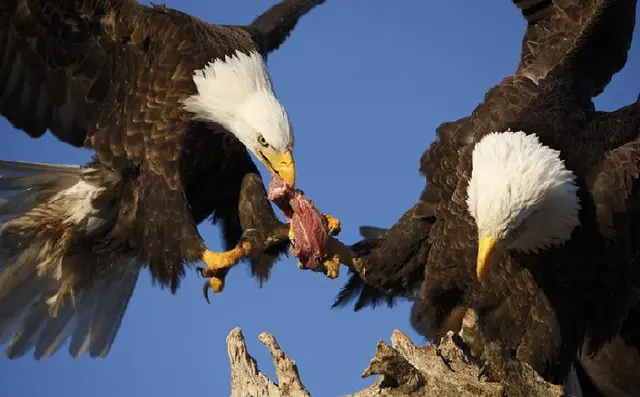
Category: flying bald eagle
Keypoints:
(530, 213)
(172, 106)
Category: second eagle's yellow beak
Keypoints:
(281, 164)
(486, 250)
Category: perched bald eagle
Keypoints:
(172, 106)
(531, 210)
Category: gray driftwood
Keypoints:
(460, 365)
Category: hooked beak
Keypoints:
(486, 250)
(281, 164)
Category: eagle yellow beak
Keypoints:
(283, 165)
(486, 249)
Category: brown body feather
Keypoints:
(541, 307)
(111, 75)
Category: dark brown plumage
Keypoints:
(613, 371)
(111, 76)
(544, 306)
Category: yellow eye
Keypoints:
(262, 141)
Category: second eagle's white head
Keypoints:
(521, 196)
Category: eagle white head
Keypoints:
(521, 196)
(236, 92)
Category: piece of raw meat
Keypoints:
(310, 228)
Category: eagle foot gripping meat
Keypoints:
(309, 235)
(310, 231)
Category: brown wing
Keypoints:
(53, 76)
(588, 41)
(273, 27)
(614, 180)
(75, 67)
(395, 261)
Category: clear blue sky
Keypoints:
(366, 83)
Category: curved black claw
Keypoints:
(205, 291)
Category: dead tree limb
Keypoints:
(247, 380)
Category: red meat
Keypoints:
(309, 226)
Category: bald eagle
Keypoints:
(530, 212)
(172, 107)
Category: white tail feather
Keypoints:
(38, 308)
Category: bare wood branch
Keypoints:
(460, 365)
(247, 380)
(286, 368)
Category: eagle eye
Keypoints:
(262, 141)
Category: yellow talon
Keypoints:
(291, 234)
(333, 224)
(332, 266)
(216, 284)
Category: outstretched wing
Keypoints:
(74, 67)
(585, 41)
(394, 258)
(273, 27)
(57, 64)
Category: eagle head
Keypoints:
(521, 196)
(236, 92)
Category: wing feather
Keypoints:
(274, 26)
(586, 42)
